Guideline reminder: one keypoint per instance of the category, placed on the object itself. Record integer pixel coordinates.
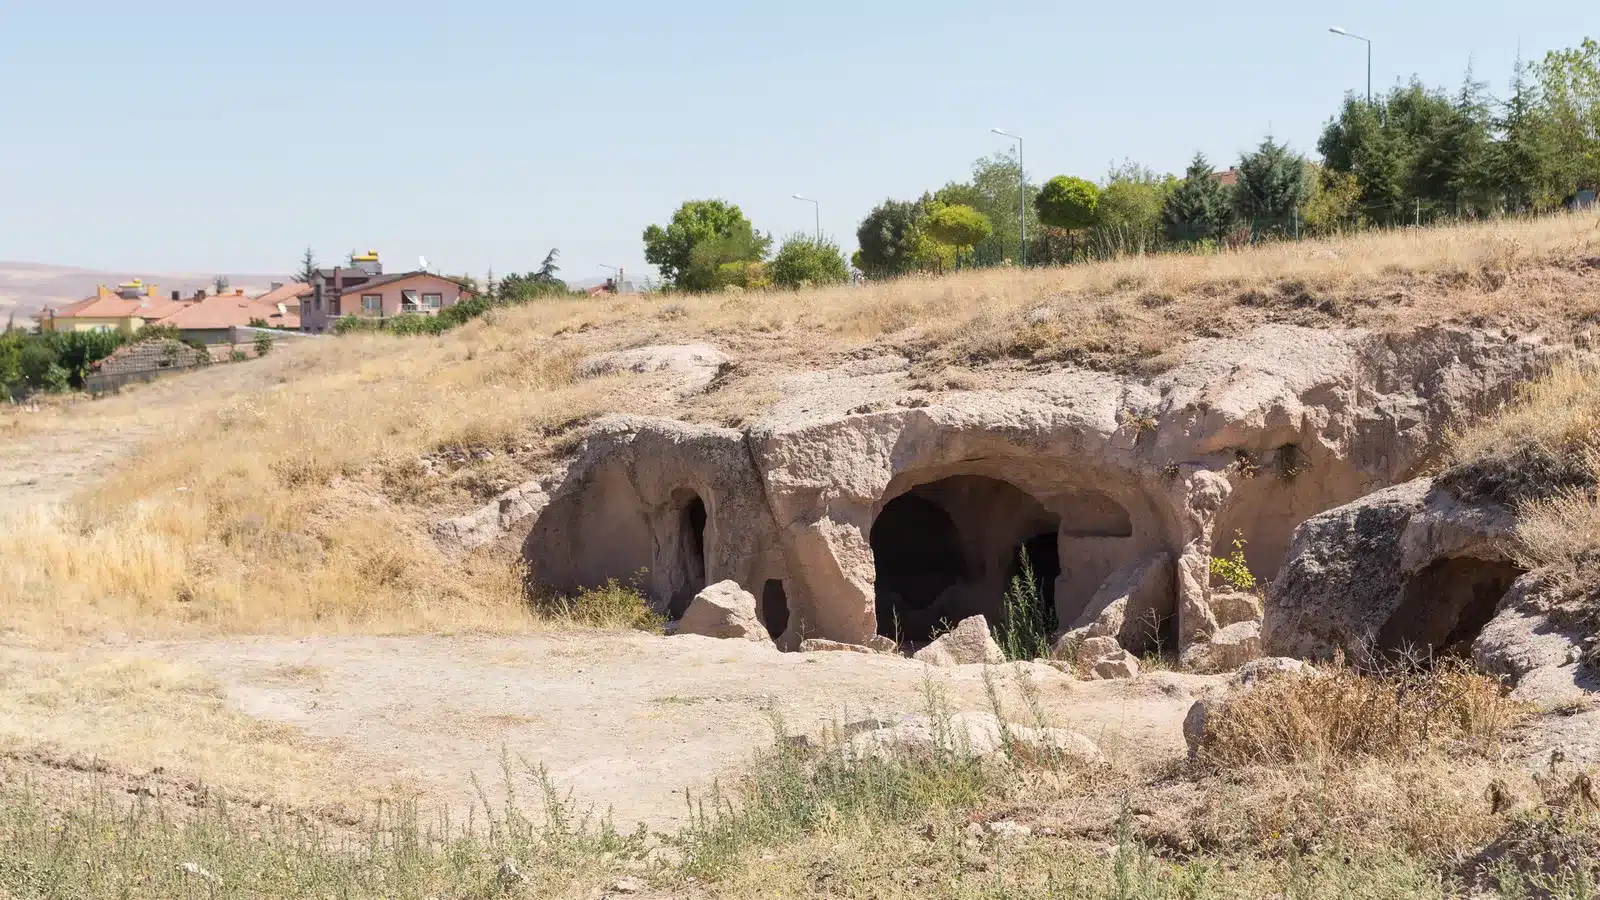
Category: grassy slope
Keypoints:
(301, 502)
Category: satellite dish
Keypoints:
(423, 262)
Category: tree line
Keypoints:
(1414, 156)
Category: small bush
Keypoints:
(1025, 633)
(1346, 714)
(610, 605)
(1232, 570)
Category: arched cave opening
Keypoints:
(947, 550)
(774, 608)
(689, 568)
(1444, 607)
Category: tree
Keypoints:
(1335, 201)
(1068, 203)
(959, 226)
(548, 268)
(1128, 213)
(699, 222)
(308, 266)
(1198, 208)
(1520, 163)
(1272, 187)
(994, 191)
(1569, 83)
(221, 284)
(889, 237)
(726, 261)
(804, 261)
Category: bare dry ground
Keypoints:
(626, 721)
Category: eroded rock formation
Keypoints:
(858, 507)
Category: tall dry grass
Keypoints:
(295, 493)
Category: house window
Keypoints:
(432, 301)
(408, 301)
(372, 303)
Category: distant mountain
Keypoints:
(25, 288)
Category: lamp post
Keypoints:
(1340, 30)
(1022, 200)
(817, 209)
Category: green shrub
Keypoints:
(805, 261)
(610, 605)
(1025, 634)
(1232, 569)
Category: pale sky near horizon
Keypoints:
(211, 136)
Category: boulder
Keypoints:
(819, 645)
(969, 642)
(1233, 607)
(724, 610)
(979, 734)
(1407, 568)
(1104, 657)
(1130, 605)
(1229, 648)
(1269, 667)
(1536, 641)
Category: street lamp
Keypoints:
(1340, 30)
(1022, 200)
(818, 211)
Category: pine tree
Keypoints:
(308, 267)
(1520, 160)
(1272, 186)
(1197, 209)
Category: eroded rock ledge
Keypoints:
(856, 507)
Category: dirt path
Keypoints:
(623, 720)
(55, 449)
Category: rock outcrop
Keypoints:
(1537, 641)
(1227, 649)
(968, 643)
(724, 610)
(1103, 657)
(1404, 570)
(860, 505)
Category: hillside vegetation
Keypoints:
(301, 502)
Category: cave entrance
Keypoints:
(948, 549)
(774, 611)
(1044, 558)
(688, 563)
(1444, 607)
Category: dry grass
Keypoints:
(295, 493)
(1344, 714)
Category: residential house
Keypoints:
(363, 289)
(288, 296)
(212, 320)
(127, 308)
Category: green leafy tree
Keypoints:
(1569, 84)
(959, 226)
(1521, 162)
(1335, 201)
(731, 260)
(1128, 213)
(804, 261)
(694, 224)
(889, 238)
(1272, 187)
(1068, 203)
(1198, 209)
(996, 191)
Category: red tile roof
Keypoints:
(226, 310)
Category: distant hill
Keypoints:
(25, 288)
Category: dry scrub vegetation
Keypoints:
(298, 498)
(1439, 819)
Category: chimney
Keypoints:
(177, 296)
(238, 292)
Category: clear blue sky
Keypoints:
(221, 136)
